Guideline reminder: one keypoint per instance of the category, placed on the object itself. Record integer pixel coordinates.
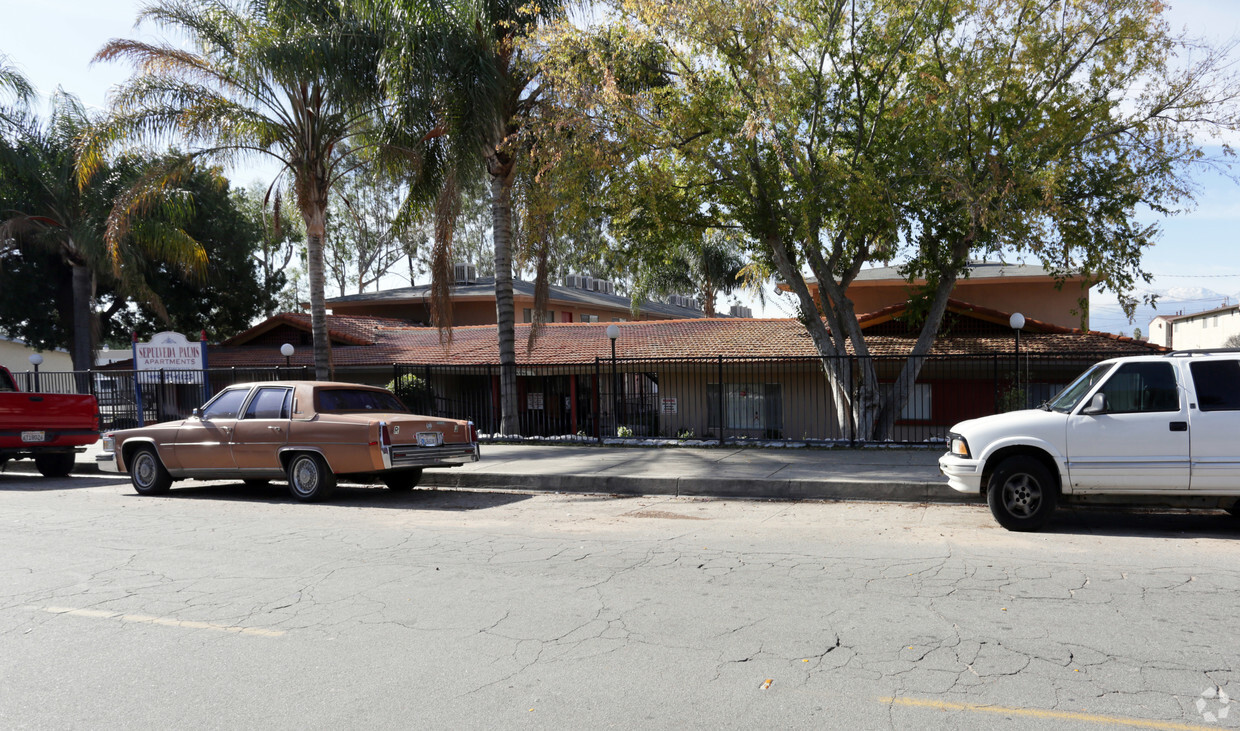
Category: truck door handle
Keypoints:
(1179, 426)
(275, 428)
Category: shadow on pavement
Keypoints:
(34, 482)
(1144, 523)
(346, 495)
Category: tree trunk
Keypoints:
(83, 344)
(505, 317)
(315, 233)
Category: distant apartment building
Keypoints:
(1208, 329)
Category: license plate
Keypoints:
(34, 436)
(429, 439)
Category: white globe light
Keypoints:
(1017, 321)
(36, 359)
(613, 332)
(286, 350)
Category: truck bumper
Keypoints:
(963, 475)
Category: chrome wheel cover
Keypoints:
(305, 477)
(144, 469)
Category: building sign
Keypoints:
(669, 405)
(534, 401)
(181, 359)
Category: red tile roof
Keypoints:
(351, 329)
(384, 341)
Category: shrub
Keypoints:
(415, 393)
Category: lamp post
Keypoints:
(613, 332)
(36, 360)
(1017, 321)
(287, 351)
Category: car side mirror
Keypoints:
(1097, 405)
(196, 413)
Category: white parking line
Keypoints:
(165, 621)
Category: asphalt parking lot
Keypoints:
(220, 606)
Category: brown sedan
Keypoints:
(308, 432)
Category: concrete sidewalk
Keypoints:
(791, 474)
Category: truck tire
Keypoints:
(147, 472)
(56, 464)
(309, 477)
(1022, 494)
(402, 481)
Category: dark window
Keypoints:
(226, 405)
(1217, 383)
(270, 403)
(1140, 388)
(356, 399)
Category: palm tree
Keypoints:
(460, 71)
(92, 230)
(290, 80)
(16, 86)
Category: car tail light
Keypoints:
(385, 436)
(473, 432)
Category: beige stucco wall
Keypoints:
(16, 357)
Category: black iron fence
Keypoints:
(717, 399)
(741, 399)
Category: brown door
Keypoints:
(205, 443)
(263, 429)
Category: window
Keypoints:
(750, 406)
(226, 405)
(356, 399)
(589, 318)
(527, 315)
(1141, 388)
(270, 403)
(1217, 383)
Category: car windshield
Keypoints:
(357, 399)
(1072, 395)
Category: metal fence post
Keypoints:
(723, 418)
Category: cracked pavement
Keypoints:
(221, 606)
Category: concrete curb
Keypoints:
(917, 492)
(895, 490)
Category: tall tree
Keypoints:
(291, 80)
(858, 131)
(469, 86)
(16, 91)
(367, 235)
(92, 229)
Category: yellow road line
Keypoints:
(165, 621)
(1054, 715)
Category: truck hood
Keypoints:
(1036, 424)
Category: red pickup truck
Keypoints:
(48, 427)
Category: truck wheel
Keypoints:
(309, 477)
(402, 481)
(1022, 494)
(56, 464)
(147, 473)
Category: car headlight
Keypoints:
(959, 446)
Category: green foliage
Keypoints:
(415, 393)
(624, 432)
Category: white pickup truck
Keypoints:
(1158, 425)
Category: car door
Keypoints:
(204, 444)
(262, 429)
(1215, 417)
(1136, 436)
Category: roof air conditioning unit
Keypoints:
(464, 273)
(603, 286)
(573, 281)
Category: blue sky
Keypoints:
(1195, 262)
